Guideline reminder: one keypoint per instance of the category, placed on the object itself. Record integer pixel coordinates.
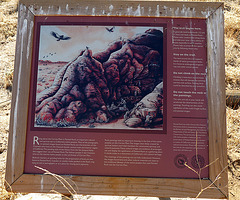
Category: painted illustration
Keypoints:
(100, 77)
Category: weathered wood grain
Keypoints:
(123, 8)
(20, 94)
(154, 187)
(216, 100)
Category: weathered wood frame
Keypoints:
(159, 187)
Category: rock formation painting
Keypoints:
(111, 82)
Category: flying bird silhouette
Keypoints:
(59, 37)
(110, 29)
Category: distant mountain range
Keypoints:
(42, 62)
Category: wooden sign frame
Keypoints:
(213, 187)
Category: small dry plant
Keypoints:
(64, 182)
(199, 173)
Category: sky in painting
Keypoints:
(96, 38)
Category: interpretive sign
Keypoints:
(125, 96)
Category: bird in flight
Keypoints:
(59, 37)
(110, 29)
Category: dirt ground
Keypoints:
(8, 27)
